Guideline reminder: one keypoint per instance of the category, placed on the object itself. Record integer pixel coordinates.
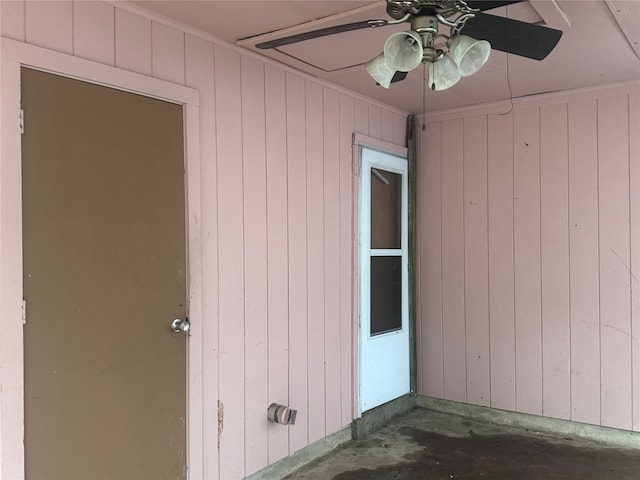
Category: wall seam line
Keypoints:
(151, 49)
(340, 267)
(24, 21)
(599, 262)
(73, 28)
(113, 40)
(631, 256)
(540, 263)
(488, 257)
(306, 227)
(215, 95)
(286, 145)
(513, 262)
(444, 394)
(184, 58)
(324, 267)
(266, 227)
(244, 276)
(569, 296)
(464, 273)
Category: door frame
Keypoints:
(13, 56)
(362, 141)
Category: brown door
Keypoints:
(104, 275)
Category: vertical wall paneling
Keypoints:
(231, 261)
(362, 117)
(554, 218)
(361, 125)
(277, 247)
(133, 42)
(387, 126)
(331, 129)
(12, 19)
(375, 121)
(453, 309)
(476, 254)
(501, 268)
(200, 75)
(49, 24)
(584, 281)
(561, 191)
(93, 31)
(429, 253)
(526, 228)
(315, 261)
(347, 242)
(11, 346)
(634, 183)
(297, 214)
(195, 407)
(276, 188)
(255, 263)
(615, 314)
(167, 53)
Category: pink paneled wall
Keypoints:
(277, 204)
(529, 256)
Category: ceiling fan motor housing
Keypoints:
(425, 24)
(398, 9)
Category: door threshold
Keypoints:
(378, 417)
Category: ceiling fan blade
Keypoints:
(398, 76)
(483, 5)
(513, 36)
(323, 32)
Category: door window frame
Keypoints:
(14, 56)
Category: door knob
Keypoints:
(178, 325)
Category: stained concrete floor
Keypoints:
(428, 445)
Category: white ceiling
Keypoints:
(600, 45)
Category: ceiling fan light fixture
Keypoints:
(380, 70)
(443, 74)
(403, 50)
(468, 53)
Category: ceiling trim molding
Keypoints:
(539, 100)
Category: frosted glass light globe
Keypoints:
(443, 74)
(469, 54)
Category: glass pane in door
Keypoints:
(386, 294)
(386, 209)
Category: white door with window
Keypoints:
(384, 371)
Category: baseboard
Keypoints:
(565, 428)
(380, 416)
(299, 459)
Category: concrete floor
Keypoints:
(428, 445)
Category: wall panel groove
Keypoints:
(634, 191)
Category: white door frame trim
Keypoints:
(13, 56)
(360, 141)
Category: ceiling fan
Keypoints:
(472, 35)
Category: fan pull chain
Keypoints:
(424, 95)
